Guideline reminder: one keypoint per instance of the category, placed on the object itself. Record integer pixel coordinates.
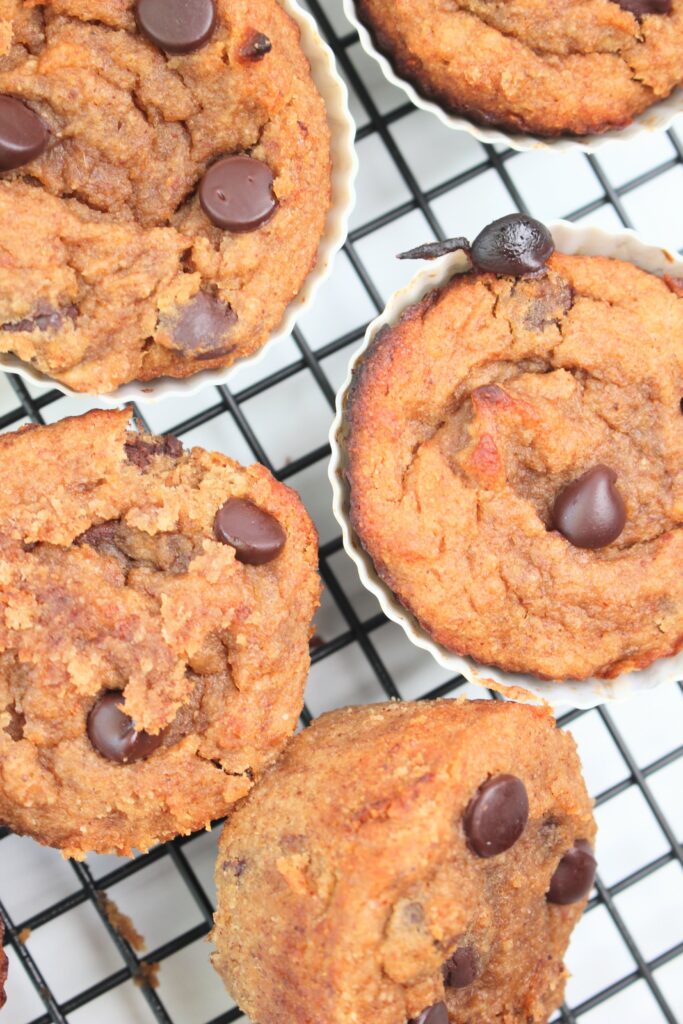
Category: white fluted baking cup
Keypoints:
(344, 170)
(570, 239)
(656, 118)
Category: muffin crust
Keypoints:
(348, 890)
(573, 67)
(107, 252)
(467, 419)
(114, 582)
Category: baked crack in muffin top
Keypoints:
(155, 612)
(162, 197)
(571, 66)
(514, 452)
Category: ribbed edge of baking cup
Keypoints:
(344, 171)
(656, 118)
(588, 693)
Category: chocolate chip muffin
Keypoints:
(408, 862)
(156, 608)
(576, 67)
(514, 458)
(164, 183)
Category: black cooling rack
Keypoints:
(223, 402)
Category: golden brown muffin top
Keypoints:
(125, 585)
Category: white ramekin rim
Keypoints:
(657, 118)
(344, 171)
(569, 238)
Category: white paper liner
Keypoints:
(656, 118)
(344, 170)
(570, 239)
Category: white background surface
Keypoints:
(290, 420)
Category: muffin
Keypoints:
(3, 966)
(156, 611)
(408, 862)
(513, 453)
(165, 181)
(571, 68)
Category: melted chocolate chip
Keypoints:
(590, 512)
(17, 722)
(141, 453)
(236, 193)
(436, 1014)
(176, 26)
(497, 815)
(641, 7)
(202, 327)
(234, 867)
(433, 250)
(46, 318)
(256, 536)
(23, 136)
(103, 538)
(515, 245)
(113, 734)
(574, 875)
(256, 47)
(462, 968)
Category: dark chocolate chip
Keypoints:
(141, 453)
(497, 815)
(641, 7)
(462, 968)
(436, 1014)
(515, 245)
(256, 47)
(574, 875)
(176, 26)
(256, 536)
(433, 250)
(113, 734)
(46, 318)
(590, 512)
(202, 327)
(236, 193)
(23, 136)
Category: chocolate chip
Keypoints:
(256, 536)
(433, 250)
(590, 512)
(641, 7)
(436, 1014)
(497, 815)
(17, 722)
(176, 26)
(201, 328)
(113, 734)
(574, 875)
(46, 318)
(462, 968)
(234, 867)
(141, 453)
(515, 245)
(256, 47)
(236, 193)
(23, 136)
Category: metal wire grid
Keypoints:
(222, 401)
